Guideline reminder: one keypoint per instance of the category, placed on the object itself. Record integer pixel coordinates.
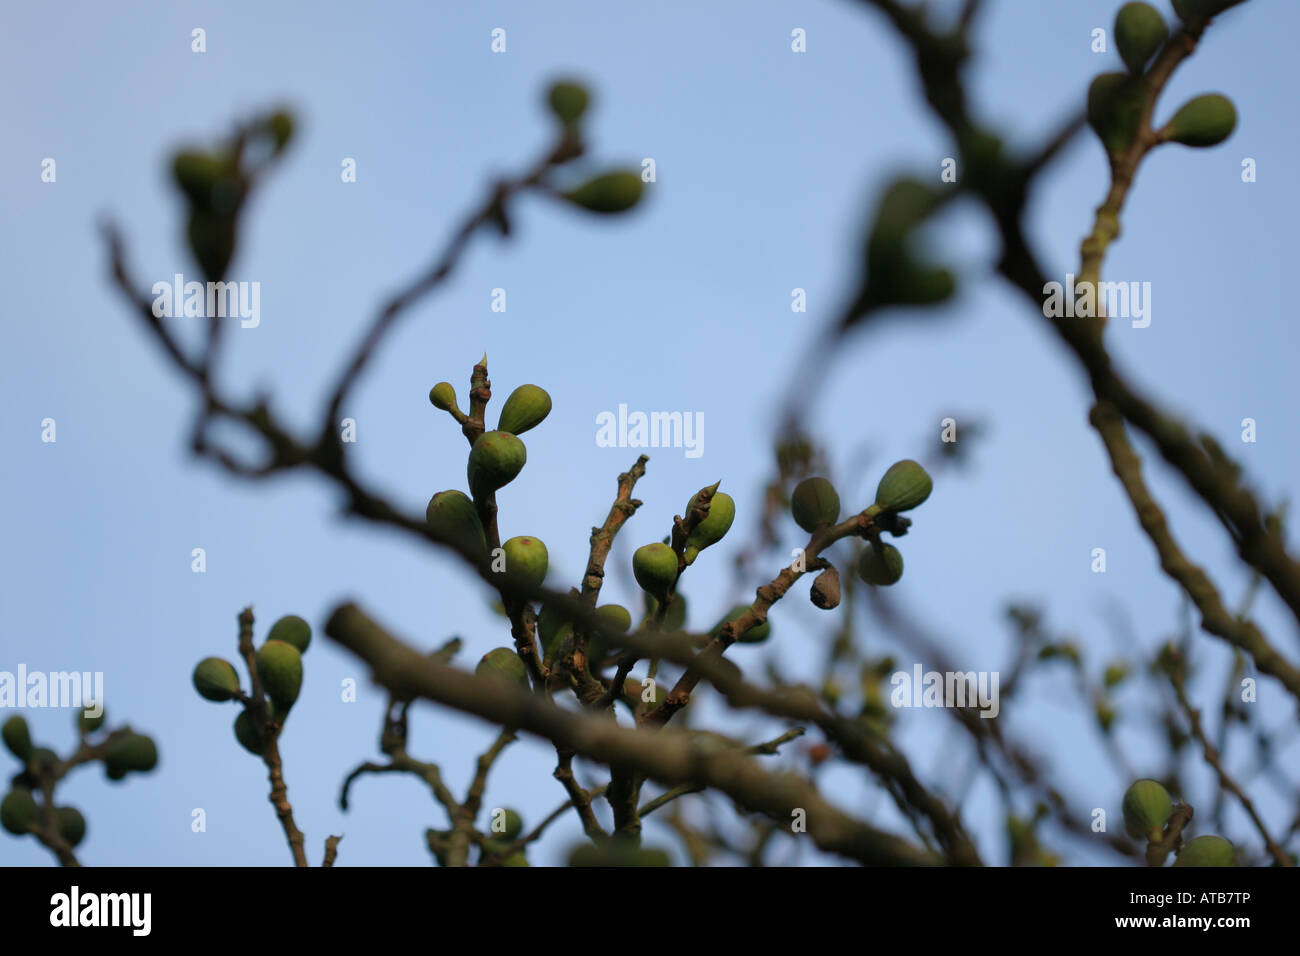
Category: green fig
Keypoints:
(1115, 104)
(655, 569)
(617, 616)
(516, 859)
(18, 811)
(568, 101)
(211, 236)
(292, 630)
(1208, 850)
(17, 738)
(904, 486)
(1140, 31)
(722, 512)
(197, 174)
(1203, 121)
(114, 773)
(452, 516)
(526, 559)
(280, 125)
(815, 503)
(216, 679)
(883, 567)
(42, 760)
(525, 408)
(1192, 11)
(502, 663)
(1147, 808)
(279, 665)
(494, 461)
(611, 193)
(91, 724)
(443, 396)
(246, 733)
(617, 853)
(552, 627)
(133, 752)
(71, 824)
(507, 825)
(755, 635)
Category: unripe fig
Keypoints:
(655, 568)
(17, 738)
(443, 396)
(825, 592)
(494, 461)
(1208, 850)
(1147, 808)
(71, 824)
(91, 724)
(526, 559)
(552, 627)
(18, 811)
(292, 630)
(280, 125)
(722, 512)
(618, 617)
(114, 773)
(815, 503)
(568, 101)
(1139, 31)
(502, 663)
(1115, 102)
(279, 665)
(1203, 121)
(1190, 11)
(513, 824)
(524, 409)
(133, 752)
(246, 733)
(42, 760)
(610, 193)
(904, 486)
(516, 859)
(216, 679)
(883, 567)
(755, 635)
(197, 173)
(452, 515)
(617, 853)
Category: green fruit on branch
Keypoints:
(755, 635)
(443, 396)
(568, 101)
(292, 630)
(815, 503)
(552, 628)
(904, 486)
(516, 859)
(617, 853)
(18, 811)
(825, 592)
(246, 733)
(494, 461)
(512, 825)
(197, 173)
(1139, 32)
(525, 408)
(1191, 11)
(1203, 121)
(452, 516)
(42, 760)
(17, 738)
(280, 125)
(617, 617)
(279, 666)
(1147, 808)
(132, 752)
(610, 193)
(114, 773)
(71, 825)
(89, 725)
(883, 566)
(526, 559)
(1115, 105)
(722, 512)
(216, 679)
(655, 568)
(502, 663)
(1207, 850)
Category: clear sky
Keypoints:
(767, 162)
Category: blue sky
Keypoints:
(767, 164)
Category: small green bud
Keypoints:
(1139, 31)
(1203, 121)
(216, 679)
(133, 752)
(91, 724)
(1208, 850)
(453, 516)
(443, 396)
(1115, 103)
(279, 666)
(71, 824)
(815, 503)
(722, 512)
(526, 559)
(568, 101)
(18, 811)
(610, 193)
(512, 825)
(755, 635)
(1115, 674)
(904, 486)
(17, 738)
(655, 568)
(1147, 808)
(280, 125)
(502, 663)
(494, 461)
(883, 567)
(525, 408)
(292, 630)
